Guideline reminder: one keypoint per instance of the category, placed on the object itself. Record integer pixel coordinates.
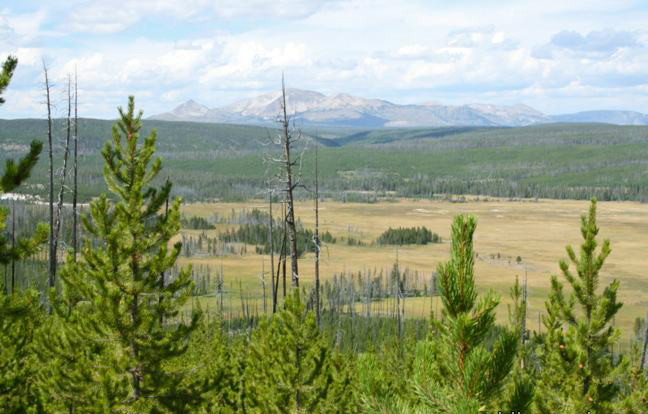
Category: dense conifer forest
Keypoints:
(108, 330)
(226, 162)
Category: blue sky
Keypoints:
(555, 55)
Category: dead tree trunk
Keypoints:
(162, 275)
(75, 188)
(274, 291)
(523, 323)
(398, 300)
(263, 286)
(52, 252)
(283, 250)
(645, 347)
(59, 208)
(318, 312)
(288, 141)
(13, 245)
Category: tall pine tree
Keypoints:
(20, 312)
(14, 175)
(132, 313)
(578, 372)
(469, 377)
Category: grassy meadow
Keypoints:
(537, 231)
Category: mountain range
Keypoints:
(314, 108)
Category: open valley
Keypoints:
(536, 231)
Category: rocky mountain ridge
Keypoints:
(314, 108)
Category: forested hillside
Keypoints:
(208, 161)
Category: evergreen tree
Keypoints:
(468, 377)
(118, 275)
(20, 317)
(291, 369)
(14, 175)
(73, 366)
(578, 371)
(8, 68)
(20, 312)
(521, 389)
(216, 363)
(385, 376)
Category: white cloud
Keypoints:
(112, 16)
(217, 51)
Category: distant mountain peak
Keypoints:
(343, 109)
(191, 109)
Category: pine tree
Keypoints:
(292, 370)
(14, 175)
(20, 312)
(469, 377)
(521, 389)
(216, 363)
(8, 68)
(578, 372)
(20, 317)
(119, 276)
(384, 377)
(71, 365)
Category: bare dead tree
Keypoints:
(398, 299)
(284, 249)
(52, 251)
(270, 224)
(645, 347)
(276, 289)
(75, 188)
(316, 240)
(263, 287)
(162, 275)
(13, 245)
(523, 322)
(288, 141)
(66, 153)
(525, 299)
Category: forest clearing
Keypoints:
(535, 230)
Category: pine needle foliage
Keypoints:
(470, 377)
(20, 317)
(216, 363)
(15, 173)
(578, 371)
(132, 311)
(8, 68)
(20, 312)
(292, 370)
(73, 366)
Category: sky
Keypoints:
(557, 56)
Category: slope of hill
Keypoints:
(207, 161)
(608, 117)
(172, 137)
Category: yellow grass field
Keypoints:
(537, 231)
